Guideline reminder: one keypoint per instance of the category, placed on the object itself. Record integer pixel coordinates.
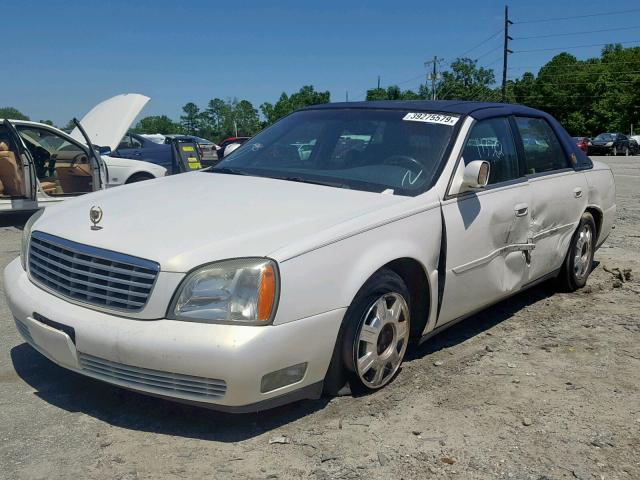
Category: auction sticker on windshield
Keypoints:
(431, 118)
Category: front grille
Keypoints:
(91, 275)
(24, 331)
(160, 382)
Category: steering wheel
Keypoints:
(406, 161)
(78, 158)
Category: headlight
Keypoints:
(243, 290)
(26, 235)
(609, 144)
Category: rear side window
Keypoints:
(542, 149)
(491, 140)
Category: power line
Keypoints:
(575, 46)
(572, 17)
(480, 44)
(578, 33)
(487, 53)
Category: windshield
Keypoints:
(606, 137)
(360, 149)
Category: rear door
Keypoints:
(558, 195)
(24, 160)
(487, 241)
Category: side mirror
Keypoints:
(104, 150)
(475, 175)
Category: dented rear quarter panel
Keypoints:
(602, 197)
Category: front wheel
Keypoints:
(577, 265)
(626, 151)
(374, 336)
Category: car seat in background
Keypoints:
(10, 174)
(75, 179)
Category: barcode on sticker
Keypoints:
(431, 118)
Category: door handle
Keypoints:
(521, 209)
(577, 192)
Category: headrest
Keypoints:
(4, 147)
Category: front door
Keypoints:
(487, 231)
(17, 171)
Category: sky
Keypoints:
(63, 57)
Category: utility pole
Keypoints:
(378, 82)
(434, 76)
(347, 96)
(506, 52)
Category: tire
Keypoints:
(139, 177)
(579, 260)
(369, 349)
(626, 151)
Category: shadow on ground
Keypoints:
(123, 408)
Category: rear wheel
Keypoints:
(626, 151)
(374, 336)
(577, 265)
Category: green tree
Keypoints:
(157, 124)
(192, 119)
(306, 96)
(12, 113)
(466, 81)
(47, 122)
(392, 92)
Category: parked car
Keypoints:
(634, 144)
(207, 149)
(229, 141)
(58, 165)
(610, 144)
(138, 147)
(582, 143)
(310, 273)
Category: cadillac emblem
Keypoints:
(95, 215)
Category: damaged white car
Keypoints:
(340, 234)
(41, 165)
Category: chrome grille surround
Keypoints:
(91, 275)
(166, 383)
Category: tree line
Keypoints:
(587, 96)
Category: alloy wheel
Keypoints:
(382, 340)
(582, 252)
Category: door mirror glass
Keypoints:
(475, 175)
(104, 150)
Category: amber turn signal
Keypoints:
(267, 293)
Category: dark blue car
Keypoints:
(138, 147)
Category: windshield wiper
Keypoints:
(314, 182)
(228, 170)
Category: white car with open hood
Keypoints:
(340, 233)
(41, 165)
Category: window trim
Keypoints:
(524, 157)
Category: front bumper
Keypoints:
(218, 365)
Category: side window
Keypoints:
(542, 149)
(62, 166)
(135, 143)
(491, 140)
(125, 142)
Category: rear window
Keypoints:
(542, 149)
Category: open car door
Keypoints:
(99, 170)
(24, 162)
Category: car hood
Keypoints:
(107, 122)
(187, 220)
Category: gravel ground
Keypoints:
(542, 386)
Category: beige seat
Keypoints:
(75, 179)
(11, 180)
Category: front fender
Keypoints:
(329, 277)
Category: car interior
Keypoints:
(11, 177)
(62, 167)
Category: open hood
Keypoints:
(107, 122)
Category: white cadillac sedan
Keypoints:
(313, 255)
